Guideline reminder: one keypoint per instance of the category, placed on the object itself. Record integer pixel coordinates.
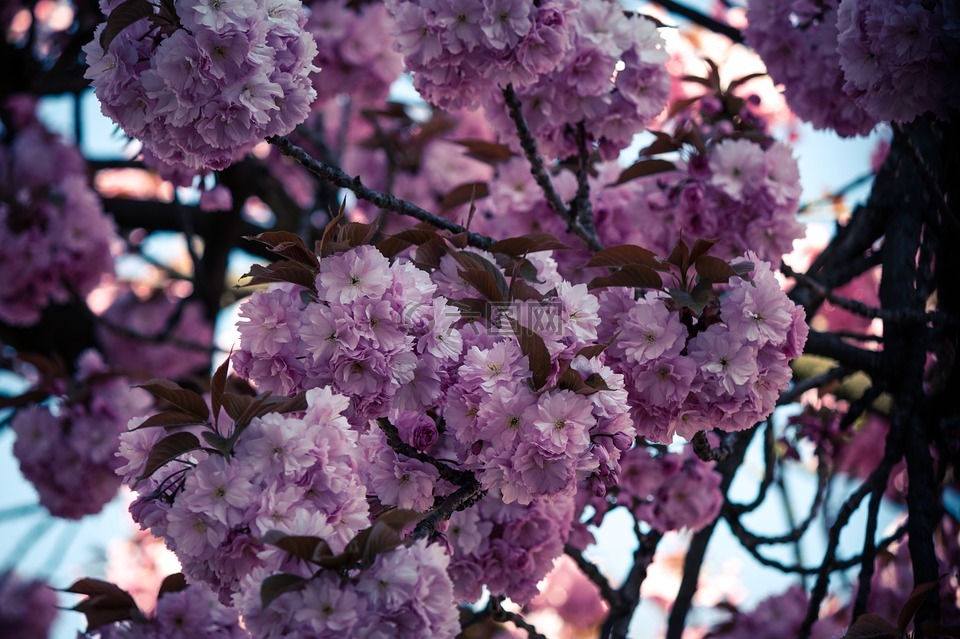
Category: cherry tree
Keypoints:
(517, 272)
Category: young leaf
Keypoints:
(663, 144)
(170, 419)
(286, 271)
(105, 603)
(870, 626)
(487, 152)
(279, 584)
(623, 255)
(168, 449)
(288, 245)
(469, 260)
(742, 269)
(713, 269)
(633, 275)
(531, 243)
(429, 253)
(186, 400)
(469, 192)
(356, 234)
(128, 13)
(300, 546)
(536, 351)
(643, 168)
(218, 384)
(172, 583)
(235, 404)
(680, 255)
(913, 603)
(483, 282)
(702, 246)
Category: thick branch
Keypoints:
(704, 21)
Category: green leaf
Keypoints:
(186, 400)
(469, 192)
(633, 275)
(167, 450)
(279, 584)
(530, 243)
(126, 14)
(643, 168)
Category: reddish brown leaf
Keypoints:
(643, 168)
(483, 282)
(170, 419)
(531, 243)
(632, 275)
(870, 626)
(487, 152)
(285, 271)
(172, 583)
(713, 269)
(167, 450)
(623, 255)
(913, 603)
(536, 351)
(469, 192)
(172, 393)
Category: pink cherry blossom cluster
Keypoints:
(384, 334)
(797, 40)
(726, 371)
(669, 491)
(405, 593)
(612, 78)
(54, 233)
(296, 475)
(201, 87)
(355, 51)
(27, 607)
(458, 49)
(508, 548)
(738, 190)
(376, 334)
(149, 317)
(66, 445)
(192, 613)
(899, 58)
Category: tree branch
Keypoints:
(384, 201)
(704, 21)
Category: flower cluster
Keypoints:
(201, 82)
(797, 40)
(192, 613)
(27, 607)
(155, 316)
(54, 233)
(384, 334)
(724, 372)
(612, 78)
(296, 475)
(66, 446)
(737, 190)
(404, 594)
(458, 49)
(669, 491)
(355, 50)
(899, 58)
(508, 548)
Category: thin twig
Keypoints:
(590, 570)
(385, 201)
(449, 473)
